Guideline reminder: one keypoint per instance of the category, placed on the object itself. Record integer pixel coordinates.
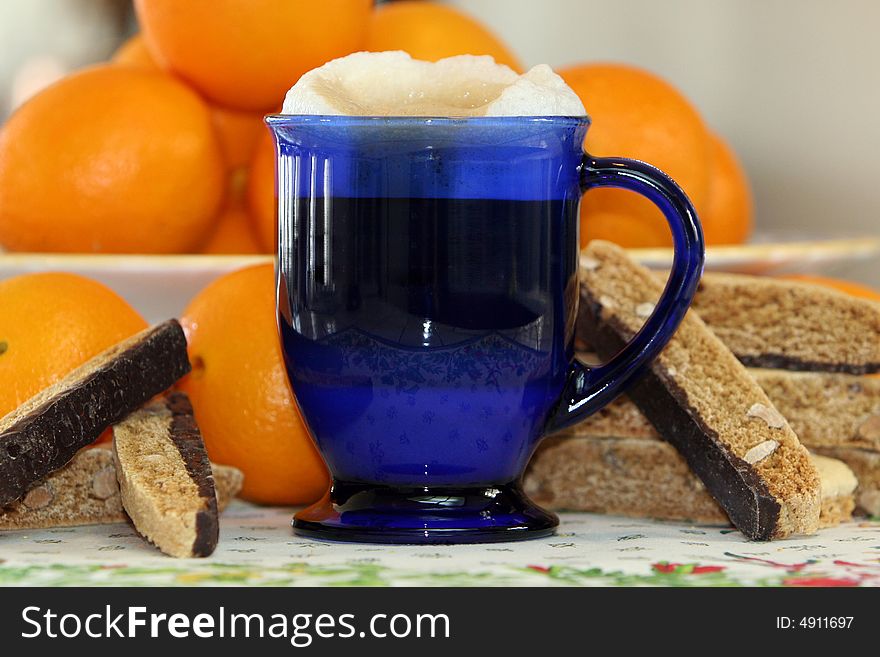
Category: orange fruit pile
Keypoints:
(232, 234)
(727, 215)
(239, 390)
(636, 114)
(134, 168)
(237, 133)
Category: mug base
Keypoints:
(368, 513)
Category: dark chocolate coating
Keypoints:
(783, 362)
(187, 439)
(733, 483)
(47, 438)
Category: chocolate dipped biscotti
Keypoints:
(782, 324)
(165, 478)
(45, 432)
(626, 474)
(702, 400)
(774, 323)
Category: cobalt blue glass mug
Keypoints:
(427, 282)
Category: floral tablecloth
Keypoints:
(258, 548)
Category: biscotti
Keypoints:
(86, 492)
(703, 401)
(832, 414)
(45, 432)
(781, 324)
(826, 410)
(645, 477)
(165, 478)
(648, 478)
(837, 415)
(627, 476)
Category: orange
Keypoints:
(51, 323)
(848, 287)
(134, 52)
(727, 215)
(234, 230)
(111, 159)
(240, 394)
(638, 115)
(245, 54)
(261, 193)
(233, 234)
(431, 31)
(238, 133)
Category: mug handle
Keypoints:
(590, 388)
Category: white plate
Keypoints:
(161, 286)
(803, 256)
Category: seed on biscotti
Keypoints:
(644, 309)
(760, 451)
(38, 498)
(770, 415)
(590, 264)
(870, 428)
(104, 483)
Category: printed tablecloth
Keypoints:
(257, 548)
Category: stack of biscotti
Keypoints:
(721, 451)
(812, 350)
(158, 473)
(86, 492)
(827, 342)
(616, 462)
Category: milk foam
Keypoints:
(395, 84)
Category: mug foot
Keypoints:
(380, 514)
